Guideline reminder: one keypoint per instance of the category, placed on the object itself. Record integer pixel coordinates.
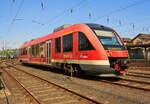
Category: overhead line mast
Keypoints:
(57, 16)
(14, 19)
(121, 9)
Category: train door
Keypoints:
(48, 51)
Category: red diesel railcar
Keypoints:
(91, 48)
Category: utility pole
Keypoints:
(3, 49)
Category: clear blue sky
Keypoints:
(22, 21)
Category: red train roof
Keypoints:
(74, 27)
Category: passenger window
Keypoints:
(58, 45)
(68, 43)
(84, 43)
(24, 51)
(37, 50)
(33, 51)
(29, 51)
(21, 51)
(42, 50)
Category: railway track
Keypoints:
(138, 74)
(135, 84)
(131, 84)
(140, 85)
(140, 68)
(46, 92)
(3, 88)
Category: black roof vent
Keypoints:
(97, 26)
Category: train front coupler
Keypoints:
(120, 66)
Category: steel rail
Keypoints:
(31, 95)
(136, 75)
(58, 86)
(119, 84)
(139, 73)
(135, 81)
(1, 81)
(125, 85)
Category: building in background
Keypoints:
(141, 39)
(9, 53)
(138, 47)
(127, 41)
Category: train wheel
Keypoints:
(76, 70)
(72, 69)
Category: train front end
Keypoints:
(115, 49)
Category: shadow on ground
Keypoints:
(82, 75)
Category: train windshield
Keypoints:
(110, 40)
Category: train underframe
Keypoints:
(117, 66)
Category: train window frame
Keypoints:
(58, 45)
(37, 50)
(42, 50)
(86, 46)
(68, 43)
(118, 47)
